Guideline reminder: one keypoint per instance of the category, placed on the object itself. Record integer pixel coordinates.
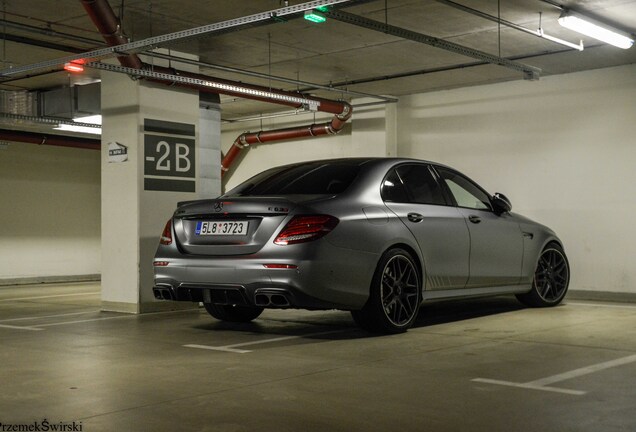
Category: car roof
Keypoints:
(360, 161)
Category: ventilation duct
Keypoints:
(18, 102)
(71, 102)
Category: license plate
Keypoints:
(222, 228)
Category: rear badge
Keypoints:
(278, 209)
(218, 206)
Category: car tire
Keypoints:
(551, 278)
(394, 296)
(233, 313)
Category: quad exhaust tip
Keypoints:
(271, 300)
(163, 294)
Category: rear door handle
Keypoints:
(415, 217)
(474, 219)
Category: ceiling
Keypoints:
(346, 56)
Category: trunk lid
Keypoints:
(229, 226)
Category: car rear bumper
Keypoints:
(326, 277)
(276, 296)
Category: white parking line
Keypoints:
(35, 317)
(234, 348)
(49, 296)
(584, 371)
(113, 317)
(86, 320)
(615, 306)
(19, 327)
(39, 326)
(529, 386)
(542, 384)
(213, 348)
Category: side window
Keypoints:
(420, 184)
(466, 193)
(393, 189)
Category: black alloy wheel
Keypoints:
(551, 278)
(395, 295)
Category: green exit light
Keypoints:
(315, 16)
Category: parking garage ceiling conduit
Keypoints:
(298, 82)
(538, 33)
(49, 139)
(529, 72)
(107, 23)
(101, 6)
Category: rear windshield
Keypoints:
(317, 178)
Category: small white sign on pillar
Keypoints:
(117, 152)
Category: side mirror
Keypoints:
(500, 203)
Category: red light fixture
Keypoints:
(161, 263)
(302, 229)
(166, 235)
(74, 67)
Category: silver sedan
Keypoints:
(377, 237)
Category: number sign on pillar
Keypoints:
(169, 151)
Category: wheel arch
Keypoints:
(419, 262)
(551, 240)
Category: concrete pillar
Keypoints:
(157, 127)
(209, 145)
(374, 130)
(391, 129)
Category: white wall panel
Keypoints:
(50, 216)
(563, 149)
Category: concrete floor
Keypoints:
(481, 365)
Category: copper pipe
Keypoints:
(48, 139)
(245, 140)
(108, 25)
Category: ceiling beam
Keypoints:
(529, 72)
(313, 86)
(40, 43)
(538, 33)
(49, 32)
(153, 42)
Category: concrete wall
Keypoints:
(50, 217)
(562, 148)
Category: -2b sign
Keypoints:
(168, 156)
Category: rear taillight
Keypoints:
(281, 266)
(166, 235)
(306, 228)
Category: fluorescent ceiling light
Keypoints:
(83, 129)
(83, 125)
(589, 27)
(579, 47)
(94, 119)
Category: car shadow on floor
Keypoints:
(338, 325)
(450, 311)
